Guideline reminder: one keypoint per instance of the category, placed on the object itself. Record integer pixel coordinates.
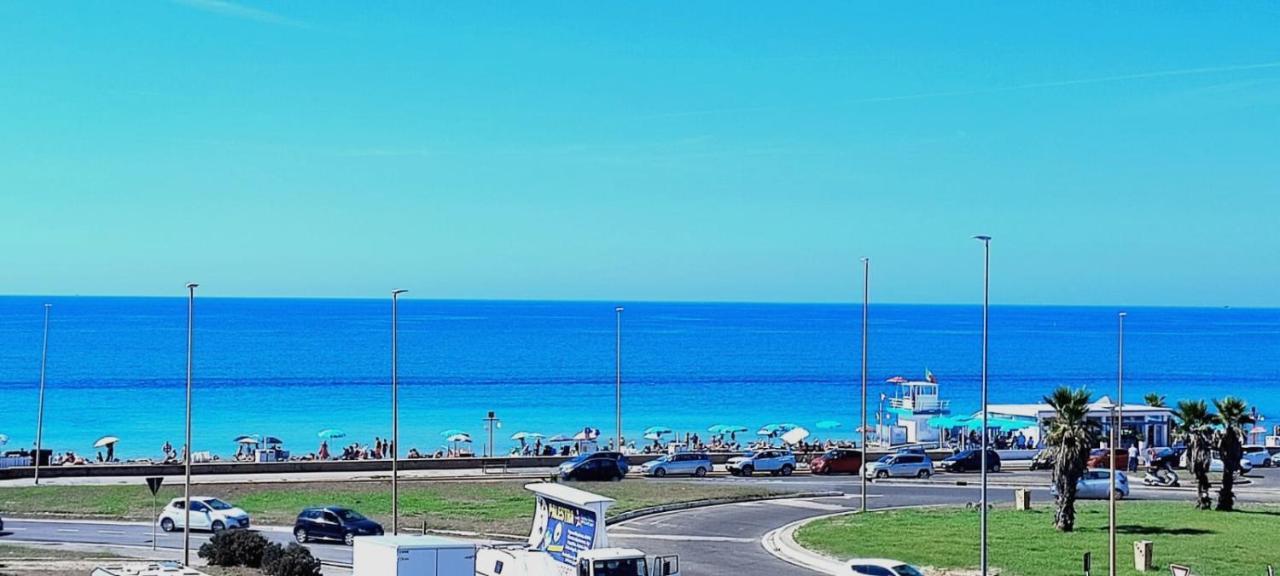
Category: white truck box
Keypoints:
(413, 556)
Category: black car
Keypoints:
(967, 460)
(333, 523)
(595, 466)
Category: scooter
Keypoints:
(1160, 477)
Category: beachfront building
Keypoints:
(912, 412)
(1148, 426)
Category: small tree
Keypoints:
(234, 548)
(293, 560)
(1194, 426)
(1071, 436)
(1233, 415)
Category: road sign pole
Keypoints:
(154, 513)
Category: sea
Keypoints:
(293, 367)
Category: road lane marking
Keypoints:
(679, 538)
(66, 530)
(807, 504)
(115, 532)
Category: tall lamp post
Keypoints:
(395, 414)
(617, 374)
(44, 354)
(866, 301)
(1117, 435)
(986, 306)
(186, 482)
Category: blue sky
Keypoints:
(708, 151)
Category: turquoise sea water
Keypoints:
(290, 367)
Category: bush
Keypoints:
(294, 560)
(234, 548)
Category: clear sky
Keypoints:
(647, 150)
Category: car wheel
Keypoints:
(617, 477)
(922, 474)
(166, 525)
(218, 526)
(747, 470)
(995, 467)
(300, 534)
(786, 470)
(349, 539)
(700, 472)
(882, 473)
(660, 472)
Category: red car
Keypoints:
(835, 460)
(1101, 458)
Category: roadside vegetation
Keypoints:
(502, 507)
(1026, 543)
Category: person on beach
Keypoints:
(324, 450)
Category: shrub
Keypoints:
(294, 560)
(234, 548)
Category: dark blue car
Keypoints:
(595, 466)
(333, 523)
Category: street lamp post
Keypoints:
(44, 354)
(866, 301)
(395, 414)
(1117, 435)
(186, 482)
(986, 306)
(617, 373)
(491, 422)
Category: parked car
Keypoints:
(1258, 456)
(1, 524)
(774, 461)
(207, 513)
(916, 465)
(688, 463)
(845, 460)
(967, 460)
(881, 567)
(333, 523)
(595, 466)
(913, 450)
(1096, 484)
(1101, 458)
(1215, 465)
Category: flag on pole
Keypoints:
(929, 377)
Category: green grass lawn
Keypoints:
(488, 507)
(1026, 544)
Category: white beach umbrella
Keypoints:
(3, 439)
(105, 441)
(795, 435)
(459, 438)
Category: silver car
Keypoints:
(1095, 484)
(686, 463)
(906, 465)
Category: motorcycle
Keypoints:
(1161, 477)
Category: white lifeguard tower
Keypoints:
(913, 403)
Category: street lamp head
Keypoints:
(864, 259)
(1123, 314)
(618, 309)
(398, 292)
(192, 285)
(48, 306)
(982, 238)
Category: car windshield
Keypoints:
(905, 570)
(885, 459)
(217, 504)
(662, 459)
(348, 515)
(831, 454)
(624, 567)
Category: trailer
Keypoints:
(569, 538)
(412, 556)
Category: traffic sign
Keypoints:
(154, 483)
(1177, 570)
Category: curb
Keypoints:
(781, 543)
(642, 512)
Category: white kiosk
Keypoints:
(568, 538)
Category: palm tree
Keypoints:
(1193, 424)
(1233, 415)
(1154, 400)
(1071, 435)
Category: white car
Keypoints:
(1096, 485)
(774, 461)
(881, 567)
(1259, 456)
(908, 465)
(207, 513)
(1215, 464)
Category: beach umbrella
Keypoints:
(559, 439)
(271, 440)
(459, 438)
(3, 439)
(659, 430)
(522, 436)
(732, 428)
(653, 437)
(827, 424)
(452, 432)
(795, 435)
(330, 433)
(897, 380)
(716, 429)
(587, 434)
(105, 441)
(246, 439)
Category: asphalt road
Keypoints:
(715, 540)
